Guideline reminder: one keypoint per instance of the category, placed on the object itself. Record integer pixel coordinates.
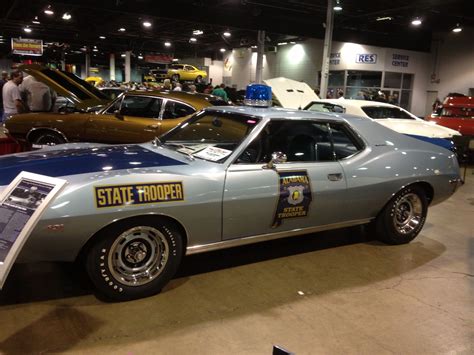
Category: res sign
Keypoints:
(366, 58)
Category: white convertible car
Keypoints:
(390, 116)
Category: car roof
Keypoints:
(192, 98)
(278, 112)
(356, 103)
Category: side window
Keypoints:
(386, 112)
(175, 109)
(114, 107)
(141, 106)
(188, 67)
(345, 144)
(304, 141)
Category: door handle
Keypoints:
(335, 177)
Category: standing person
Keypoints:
(219, 91)
(192, 89)
(340, 95)
(208, 89)
(12, 103)
(167, 84)
(39, 97)
(178, 87)
(3, 81)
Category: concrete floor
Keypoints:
(331, 293)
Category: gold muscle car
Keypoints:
(180, 72)
(133, 117)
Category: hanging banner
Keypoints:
(21, 205)
(159, 58)
(27, 46)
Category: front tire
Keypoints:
(403, 217)
(134, 258)
(175, 78)
(47, 139)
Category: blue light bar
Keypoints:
(258, 95)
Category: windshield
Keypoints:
(378, 112)
(325, 107)
(210, 136)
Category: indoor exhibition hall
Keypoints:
(278, 177)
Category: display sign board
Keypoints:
(27, 46)
(21, 205)
(400, 60)
(369, 58)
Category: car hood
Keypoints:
(82, 160)
(291, 93)
(76, 90)
(418, 127)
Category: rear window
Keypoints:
(386, 112)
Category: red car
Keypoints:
(457, 113)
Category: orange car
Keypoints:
(133, 117)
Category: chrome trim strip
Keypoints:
(270, 236)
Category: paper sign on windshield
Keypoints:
(213, 153)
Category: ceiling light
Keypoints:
(226, 34)
(122, 29)
(292, 42)
(197, 32)
(457, 29)
(140, 57)
(49, 11)
(36, 21)
(386, 18)
(282, 43)
(27, 29)
(338, 6)
(175, 60)
(123, 55)
(146, 24)
(102, 37)
(67, 16)
(95, 50)
(192, 39)
(222, 50)
(167, 44)
(416, 22)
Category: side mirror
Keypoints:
(277, 158)
(118, 114)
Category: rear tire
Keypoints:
(403, 217)
(134, 258)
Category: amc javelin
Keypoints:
(131, 212)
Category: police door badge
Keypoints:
(294, 196)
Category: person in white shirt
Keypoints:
(12, 102)
(178, 87)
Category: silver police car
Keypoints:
(228, 176)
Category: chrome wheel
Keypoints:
(138, 256)
(407, 213)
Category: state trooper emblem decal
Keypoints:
(294, 197)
